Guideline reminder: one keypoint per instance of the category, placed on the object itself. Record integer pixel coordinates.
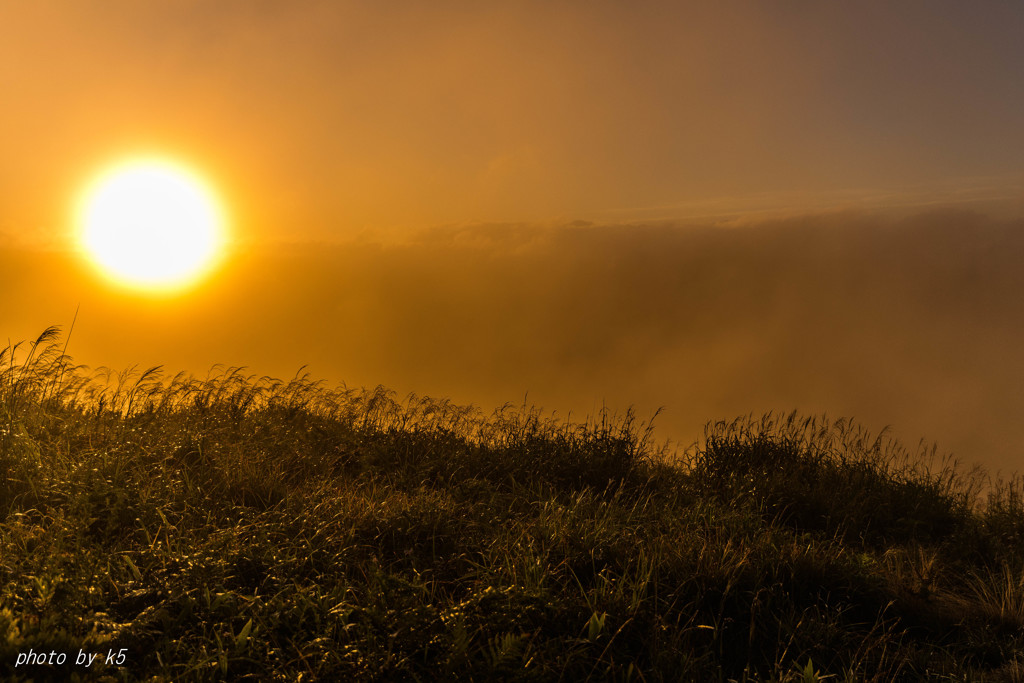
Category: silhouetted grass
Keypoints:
(238, 527)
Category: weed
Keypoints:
(242, 527)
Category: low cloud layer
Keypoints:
(912, 322)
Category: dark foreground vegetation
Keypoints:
(249, 529)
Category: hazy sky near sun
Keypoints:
(325, 118)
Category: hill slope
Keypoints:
(249, 529)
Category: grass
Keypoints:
(245, 528)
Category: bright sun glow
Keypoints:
(151, 225)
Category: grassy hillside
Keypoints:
(249, 529)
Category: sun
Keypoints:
(151, 224)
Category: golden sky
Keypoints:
(716, 207)
(327, 118)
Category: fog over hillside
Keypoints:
(911, 322)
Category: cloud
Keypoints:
(913, 322)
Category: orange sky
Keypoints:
(719, 208)
(325, 118)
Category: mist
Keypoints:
(912, 322)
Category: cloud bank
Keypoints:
(912, 322)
